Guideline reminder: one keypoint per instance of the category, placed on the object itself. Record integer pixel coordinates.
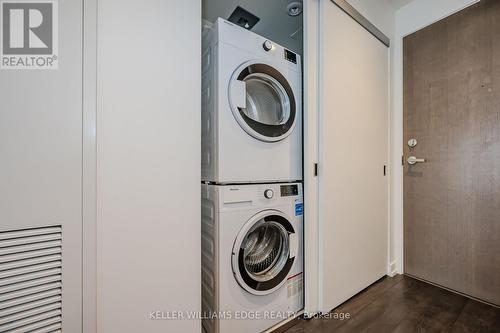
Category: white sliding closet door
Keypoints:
(353, 149)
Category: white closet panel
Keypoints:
(148, 165)
(41, 173)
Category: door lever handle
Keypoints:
(413, 160)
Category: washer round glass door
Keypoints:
(263, 253)
(262, 102)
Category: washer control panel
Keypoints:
(289, 190)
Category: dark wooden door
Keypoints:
(452, 109)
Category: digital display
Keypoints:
(289, 190)
(290, 56)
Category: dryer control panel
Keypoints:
(290, 56)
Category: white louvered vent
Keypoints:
(30, 280)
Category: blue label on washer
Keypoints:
(299, 209)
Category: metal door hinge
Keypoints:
(315, 169)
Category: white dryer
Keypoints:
(251, 108)
(252, 270)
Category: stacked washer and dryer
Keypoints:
(252, 204)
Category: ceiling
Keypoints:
(274, 23)
(396, 4)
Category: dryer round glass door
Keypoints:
(262, 102)
(262, 253)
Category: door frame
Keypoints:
(312, 268)
(89, 169)
(406, 23)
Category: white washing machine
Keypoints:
(251, 108)
(252, 269)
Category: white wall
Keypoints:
(148, 164)
(410, 18)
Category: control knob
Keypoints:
(267, 45)
(269, 194)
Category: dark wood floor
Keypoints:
(403, 304)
